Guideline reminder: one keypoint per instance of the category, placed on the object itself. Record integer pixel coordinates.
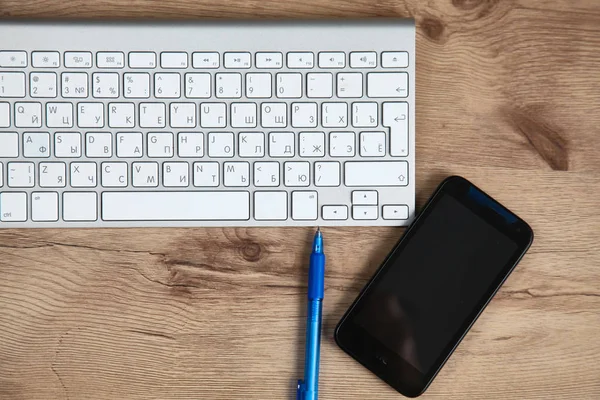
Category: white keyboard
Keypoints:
(207, 124)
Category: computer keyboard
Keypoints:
(266, 123)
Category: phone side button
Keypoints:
(364, 212)
(395, 211)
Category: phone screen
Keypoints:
(429, 291)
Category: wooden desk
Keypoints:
(508, 95)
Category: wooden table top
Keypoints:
(508, 95)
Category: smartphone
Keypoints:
(431, 288)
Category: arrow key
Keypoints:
(364, 197)
(395, 211)
(334, 212)
(364, 212)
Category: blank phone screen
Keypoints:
(422, 301)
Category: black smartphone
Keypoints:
(431, 288)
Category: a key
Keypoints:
(206, 174)
(297, 173)
(269, 60)
(42, 84)
(394, 59)
(106, 59)
(376, 173)
(395, 117)
(274, 115)
(13, 59)
(387, 84)
(20, 174)
(80, 206)
(281, 144)
(28, 115)
(270, 206)
(13, 207)
(90, 115)
(121, 115)
(78, 59)
(266, 174)
(167, 85)
(4, 115)
(12, 84)
(36, 144)
(364, 197)
(289, 85)
(327, 173)
(182, 115)
(364, 212)
(334, 115)
(152, 115)
(305, 205)
(1, 175)
(205, 60)
(341, 144)
(74, 84)
(258, 85)
(145, 174)
(45, 59)
(220, 144)
(334, 212)
(136, 86)
(349, 85)
(83, 174)
(9, 144)
(251, 144)
(372, 144)
(44, 206)
(59, 115)
(300, 60)
(395, 211)
(129, 145)
(311, 144)
(67, 144)
(319, 85)
(228, 85)
(364, 115)
(142, 60)
(170, 59)
(197, 86)
(237, 60)
(363, 59)
(175, 174)
(304, 115)
(53, 175)
(98, 144)
(236, 174)
(332, 59)
(243, 115)
(114, 174)
(191, 144)
(160, 144)
(213, 115)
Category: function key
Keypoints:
(173, 60)
(45, 59)
(237, 60)
(394, 59)
(269, 60)
(332, 60)
(300, 60)
(205, 60)
(110, 60)
(13, 59)
(142, 60)
(363, 59)
(78, 59)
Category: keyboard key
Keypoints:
(152, 115)
(13, 59)
(376, 173)
(327, 173)
(191, 144)
(266, 174)
(236, 174)
(121, 115)
(90, 115)
(243, 115)
(274, 115)
(129, 145)
(53, 175)
(206, 174)
(289, 85)
(12, 84)
(74, 59)
(398, 211)
(4, 115)
(363, 59)
(237, 60)
(311, 144)
(175, 174)
(136, 85)
(395, 116)
(372, 144)
(13, 207)
(205, 60)
(319, 85)
(142, 60)
(173, 60)
(175, 206)
(387, 84)
(364, 197)
(213, 115)
(20, 174)
(334, 115)
(269, 60)
(258, 85)
(59, 115)
(160, 144)
(83, 174)
(270, 206)
(114, 174)
(334, 212)
(145, 174)
(349, 85)
(42, 84)
(281, 144)
(394, 59)
(74, 84)
(297, 173)
(1, 175)
(80, 206)
(167, 85)
(197, 86)
(220, 144)
(67, 144)
(364, 212)
(183, 115)
(341, 144)
(332, 60)
(304, 205)
(228, 85)
(364, 115)
(110, 59)
(251, 144)
(44, 206)
(36, 144)
(28, 115)
(304, 115)
(45, 59)
(300, 60)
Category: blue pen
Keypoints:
(308, 388)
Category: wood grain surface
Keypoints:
(508, 95)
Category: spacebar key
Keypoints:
(376, 173)
(175, 206)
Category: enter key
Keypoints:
(395, 117)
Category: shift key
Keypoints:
(376, 173)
